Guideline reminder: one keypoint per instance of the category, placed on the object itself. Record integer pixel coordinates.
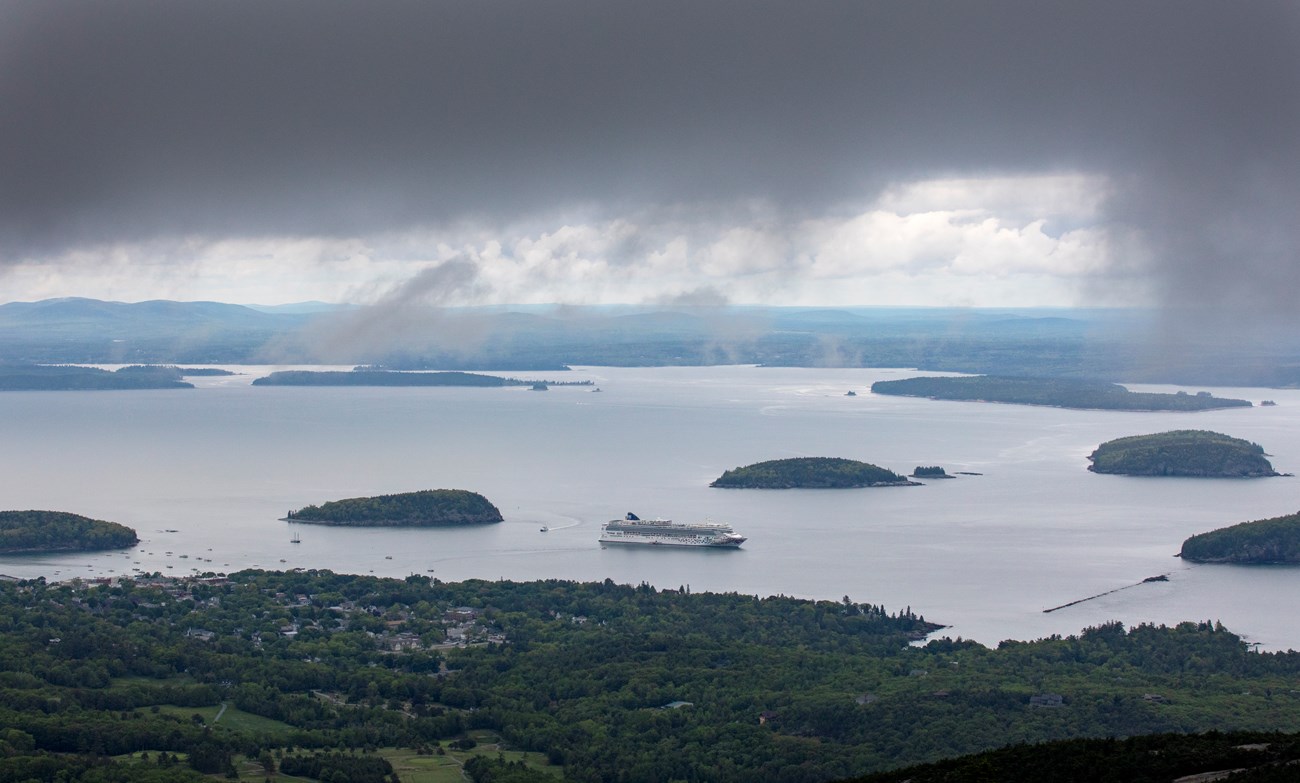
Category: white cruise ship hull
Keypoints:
(669, 541)
(638, 532)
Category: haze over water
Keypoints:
(219, 465)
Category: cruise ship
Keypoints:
(662, 532)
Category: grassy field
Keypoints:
(233, 718)
(412, 767)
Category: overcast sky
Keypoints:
(706, 151)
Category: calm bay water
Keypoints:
(984, 554)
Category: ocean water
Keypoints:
(204, 476)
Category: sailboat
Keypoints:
(295, 539)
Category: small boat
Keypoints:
(295, 539)
(545, 528)
(388, 557)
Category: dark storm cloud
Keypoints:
(123, 121)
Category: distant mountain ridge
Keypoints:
(1038, 342)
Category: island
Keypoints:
(1056, 392)
(1199, 453)
(810, 473)
(65, 377)
(426, 508)
(1262, 542)
(930, 472)
(366, 377)
(35, 532)
(176, 372)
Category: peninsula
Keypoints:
(362, 377)
(1264, 541)
(1056, 392)
(426, 508)
(61, 377)
(35, 532)
(810, 473)
(1199, 453)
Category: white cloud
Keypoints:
(998, 241)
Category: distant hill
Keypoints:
(1264, 541)
(426, 508)
(810, 473)
(1198, 453)
(154, 332)
(1005, 342)
(59, 531)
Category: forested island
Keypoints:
(1057, 392)
(426, 508)
(333, 677)
(58, 531)
(930, 472)
(41, 377)
(1264, 541)
(810, 473)
(1198, 453)
(362, 377)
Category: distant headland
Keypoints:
(810, 473)
(58, 531)
(1264, 541)
(367, 377)
(426, 508)
(1198, 453)
(61, 377)
(1056, 392)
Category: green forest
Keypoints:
(59, 531)
(336, 676)
(1251, 757)
(1058, 392)
(32, 377)
(1199, 453)
(1275, 540)
(809, 473)
(426, 508)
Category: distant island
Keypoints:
(810, 473)
(60, 377)
(363, 377)
(930, 472)
(1057, 392)
(426, 508)
(1264, 541)
(1182, 453)
(34, 532)
(179, 372)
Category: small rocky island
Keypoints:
(930, 472)
(34, 532)
(1056, 392)
(426, 508)
(1262, 542)
(1198, 453)
(810, 473)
